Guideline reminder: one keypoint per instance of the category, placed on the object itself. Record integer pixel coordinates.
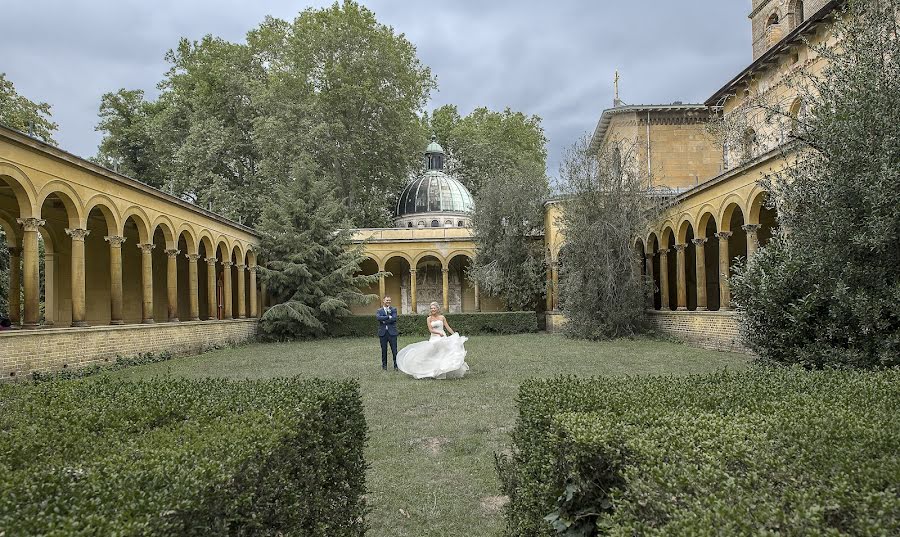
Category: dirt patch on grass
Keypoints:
(491, 505)
(432, 444)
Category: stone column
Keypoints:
(664, 279)
(382, 286)
(752, 239)
(724, 265)
(211, 289)
(226, 284)
(49, 289)
(446, 282)
(413, 301)
(549, 286)
(78, 284)
(15, 285)
(242, 293)
(700, 255)
(30, 270)
(649, 263)
(193, 286)
(681, 269)
(554, 281)
(115, 278)
(172, 285)
(147, 282)
(254, 311)
(477, 297)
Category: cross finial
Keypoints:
(616, 100)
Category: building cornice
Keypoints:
(774, 52)
(607, 115)
(759, 8)
(56, 153)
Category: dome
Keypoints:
(434, 192)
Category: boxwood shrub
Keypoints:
(508, 322)
(182, 457)
(763, 452)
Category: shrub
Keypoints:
(789, 451)
(121, 362)
(513, 322)
(182, 457)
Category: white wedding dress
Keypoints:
(439, 357)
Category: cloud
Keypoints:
(552, 59)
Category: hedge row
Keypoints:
(779, 452)
(182, 457)
(121, 362)
(512, 322)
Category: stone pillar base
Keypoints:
(79, 324)
(116, 323)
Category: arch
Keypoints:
(70, 199)
(223, 247)
(430, 253)
(394, 254)
(238, 252)
(684, 228)
(668, 231)
(756, 203)
(796, 13)
(773, 19)
(652, 243)
(707, 212)
(462, 252)
(251, 257)
(731, 203)
(164, 223)
(23, 190)
(141, 220)
(190, 240)
(8, 225)
(205, 238)
(109, 210)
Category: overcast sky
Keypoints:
(551, 58)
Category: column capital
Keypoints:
(724, 235)
(751, 228)
(192, 257)
(211, 261)
(77, 234)
(252, 269)
(649, 256)
(699, 241)
(445, 270)
(241, 267)
(14, 251)
(114, 241)
(663, 251)
(146, 247)
(412, 271)
(227, 264)
(554, 264)
(31, 224)
(172, 253)
(680, 247)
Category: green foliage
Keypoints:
(20, 113)
(334, 85)
(4, 277)
(785, 451)
(310, 270)
(121, 362)
(484, 143)
(512, 322)
(827, 293)
(605, 206)
(508, 228)
(182, 457)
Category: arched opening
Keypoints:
(429, 283)
(203, 280)
(737, 242)
(435, 223)
(397, 285)
(132, 270)
(461, 289)
(652, 249)
(749, 144)
(368, 267)
(710, 261)
(186, 246)
(796, 13)
(11, 275)
(671, 268)
(59, 212)
(766, 216)
(163, 240)
(97, 268)
(236, 259)
(686, 237)
(222, 256)
(772, 20)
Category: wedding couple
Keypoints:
(441, 357)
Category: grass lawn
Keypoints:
(432, 442)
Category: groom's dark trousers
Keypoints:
(387, 333)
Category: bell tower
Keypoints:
(772, 20)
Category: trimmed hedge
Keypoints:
(474, 324)
(182, 457)
(763, 452)
(122, 362)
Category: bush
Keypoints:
(512, 322)
(783, 452)
(182, 457)
(121, 362)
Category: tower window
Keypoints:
(773, 19)
(435, 223)
(409, 224)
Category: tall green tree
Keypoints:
(606, 207)
(486, 143)
(826, 291)
(131, 145)
(20, 113)
(508, 227)
(309, 267)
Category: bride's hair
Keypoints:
(437, 307)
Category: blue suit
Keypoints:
(387, 333)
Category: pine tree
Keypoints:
(309, 267)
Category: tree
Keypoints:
(309, 268)
(508, 227)
(20, 113)
(485, 143)
(606, 207)
(131, 143)
(826, 291)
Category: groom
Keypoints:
(387, 331)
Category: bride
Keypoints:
(441, 357)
